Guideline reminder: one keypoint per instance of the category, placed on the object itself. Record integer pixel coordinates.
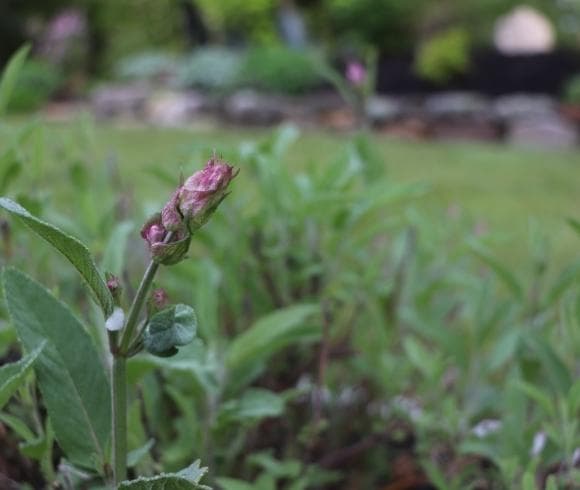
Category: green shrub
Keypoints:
(36, 83)
(280, 69)
(389, 25)
(213, 68)
(572, 90)
(443, 56)
(148, 65)
(251, 20)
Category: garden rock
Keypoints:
(409, 128)
(381, 110)
(455, 105)
(172, 109)
(473, 130)
(249, 107)
(523, 106)
(547, 132)
(119, 100)
(524, 31)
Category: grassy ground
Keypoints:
(505, 189)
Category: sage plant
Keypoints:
(75, 390)
(168, 235)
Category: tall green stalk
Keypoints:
(119, 382)
(119, 387)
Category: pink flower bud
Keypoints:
(153, 231)
(196, 200)
(114, 285)
(158, 300)
(356, 73)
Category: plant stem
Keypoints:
(133, 315)
(119, 384)
(119, 419)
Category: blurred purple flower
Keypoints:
(356, 73)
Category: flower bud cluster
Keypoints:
(169, 233)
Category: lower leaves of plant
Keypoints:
(70, 373)
(12, 375)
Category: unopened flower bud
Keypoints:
(114, 286)
(153, 231)
(200, 195)
(158, 300)
(169, 233)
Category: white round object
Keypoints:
(524, 31)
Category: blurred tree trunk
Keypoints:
(195, 29)
(12, 34)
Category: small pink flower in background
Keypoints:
(356, 73)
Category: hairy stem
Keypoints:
(119, 419)
(135, 310)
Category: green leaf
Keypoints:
(551, 483)
(12, 375)
(193, 359)
(555, 369)
(288, 468)
(18, 427)
(10, 168)
(137, 454)
(574, 224)
(169, 328)
(71, 248)
(254, 405)
(504, 348)
(537, 395)
(268, 335)
(529, 481)
(187, 479)
(233, 484)
(10, 76)
(71, 377)
(114, 254)
(500, 270)
(574, 397)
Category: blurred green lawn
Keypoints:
(503, 188)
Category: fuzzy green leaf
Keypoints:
(187, 479)
(169, 328)
(72, 380)
(12, 375)
(71, 248)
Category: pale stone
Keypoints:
(524, 31)
(171, 109)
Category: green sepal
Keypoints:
(170, 253)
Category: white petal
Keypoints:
(116, 320)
